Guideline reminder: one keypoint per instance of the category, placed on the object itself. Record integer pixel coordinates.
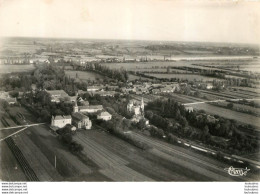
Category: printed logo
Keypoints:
(237, 171)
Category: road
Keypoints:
(25, 127)
(146, 100)
(203, 102)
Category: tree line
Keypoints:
(172, 118)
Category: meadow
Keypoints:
(15, 68)
(84, 75)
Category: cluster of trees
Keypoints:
(120, 75)
(17, 82)
(223, 50)
(245, 82)
(117, 127)
(44, 77)
(53, 78)
(231, 106)
(39, 103)
(118, 104)
(172, 117)
(65, 135)
(246, 102)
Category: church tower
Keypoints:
(142, 105)
(52, 120)
(75, 108)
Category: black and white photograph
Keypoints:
(129, 91)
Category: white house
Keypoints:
(209, 86)
(4, 95)
(94, 88)
(57, 95)
(106, 116)
(60, 121)
(189, 108)
(11, 100)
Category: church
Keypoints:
(136, 107)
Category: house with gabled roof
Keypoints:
(106, 116)
(81, 121)
(60, 121)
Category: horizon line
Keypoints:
(121, 39)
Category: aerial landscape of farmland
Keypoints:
(129, 91)
(127, 111)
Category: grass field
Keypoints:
(15, 68)
(242, 107)
(215, 110)
(84, 75)
(230, 114)
(132, 77)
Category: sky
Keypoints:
(172, 20)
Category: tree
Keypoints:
(183, 121)
(75, 147)
(14, 94)
(230, 105)
(206, 130)
(5, 106)
(66, 138)
(141, 124)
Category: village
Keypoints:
(78, 119)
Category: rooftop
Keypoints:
(60, 117)
(91, 107)
(105, 113)
(79, 116)
(57, 92)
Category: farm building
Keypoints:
(104, 116)
(81, 121)
(4, 95)
(103, 93)
(94, 88)
(60, 121)
(57, 95)
(126, 90)
(87, 108)
(189, 108)
(11, 100)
